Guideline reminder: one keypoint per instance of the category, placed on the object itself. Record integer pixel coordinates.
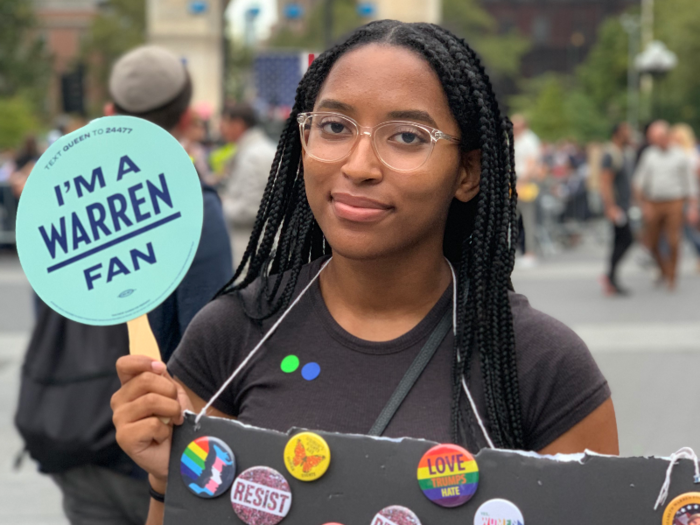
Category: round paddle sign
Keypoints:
(109, 221)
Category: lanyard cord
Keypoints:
(289, 309)
(258, 346)
(464, 383)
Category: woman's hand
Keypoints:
(147, 394)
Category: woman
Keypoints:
(683, 136)
(396, 159)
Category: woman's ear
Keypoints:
(469, 176)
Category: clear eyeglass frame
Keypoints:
(371, 132)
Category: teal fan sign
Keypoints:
(109, 221)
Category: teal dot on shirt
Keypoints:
(289, 364)
(310, 371)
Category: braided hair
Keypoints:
(479, 235)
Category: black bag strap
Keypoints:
(412, 374)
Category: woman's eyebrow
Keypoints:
(413, 114)
(329, 103)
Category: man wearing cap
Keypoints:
(151, 83)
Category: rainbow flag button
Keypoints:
(448, 475)
(208, 467)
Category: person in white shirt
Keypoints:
(528, 155)
(665, 184)
(246, 173)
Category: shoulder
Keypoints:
(560, 382)
(539, 334)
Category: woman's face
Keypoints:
(365, 209)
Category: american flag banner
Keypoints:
(277, 75)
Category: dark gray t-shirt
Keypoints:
(621, 163)
(560, 383)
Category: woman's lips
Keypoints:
(358, 209)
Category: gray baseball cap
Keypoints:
(146, 78)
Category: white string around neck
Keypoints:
(259, 345)
(684, 453)
(289, 309)
(464, 382)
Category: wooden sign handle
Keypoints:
(141, 338)
(143, 342)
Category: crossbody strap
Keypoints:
(412, 374)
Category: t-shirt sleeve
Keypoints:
(210, 350)
(560, 382)
(607, 162)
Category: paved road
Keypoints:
(648, 346)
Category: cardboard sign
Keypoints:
(370, 474)
(109, 221)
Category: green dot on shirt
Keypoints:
(289, 364)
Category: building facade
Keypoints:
(63, 24)
(561, 31)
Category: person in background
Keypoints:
(26, 157)
(527, 169)
(151, 83)
(665, 184)
(192, 138)
(246, 173)
(682, 135)
(616, 192)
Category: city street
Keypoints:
(648, 345)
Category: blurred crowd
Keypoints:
(645, 184)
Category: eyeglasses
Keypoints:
(400, 145)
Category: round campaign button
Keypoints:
(498, 511)
(448, 475)
(208, 467)
(396, 515)
(683, 510)
(307, 456)
(109, 220)
(261, 496)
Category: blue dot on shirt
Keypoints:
(310, 371)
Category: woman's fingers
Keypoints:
(145, 406)
(144, 383)
(130, 366)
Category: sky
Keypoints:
(267, 17)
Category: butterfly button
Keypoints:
(307, 456)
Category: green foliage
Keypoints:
(345, 19)
(119, 27)
(238, 77)
(603, 75)
(16, 120)
(24, 67)
(677, 97)
(501, 52)
(557, 109)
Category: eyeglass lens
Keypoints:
(402, 146)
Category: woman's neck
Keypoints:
(382, 299)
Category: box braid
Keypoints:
(479, 235)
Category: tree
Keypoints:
(24, 69)
(678, 96)
(501, 52)
(119, 27)
(557, 108)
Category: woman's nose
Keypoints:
(363, 164)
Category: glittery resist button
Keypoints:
(448, 475)
(396, 515)
(307, 456)
(261, 496)
(208, 467)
